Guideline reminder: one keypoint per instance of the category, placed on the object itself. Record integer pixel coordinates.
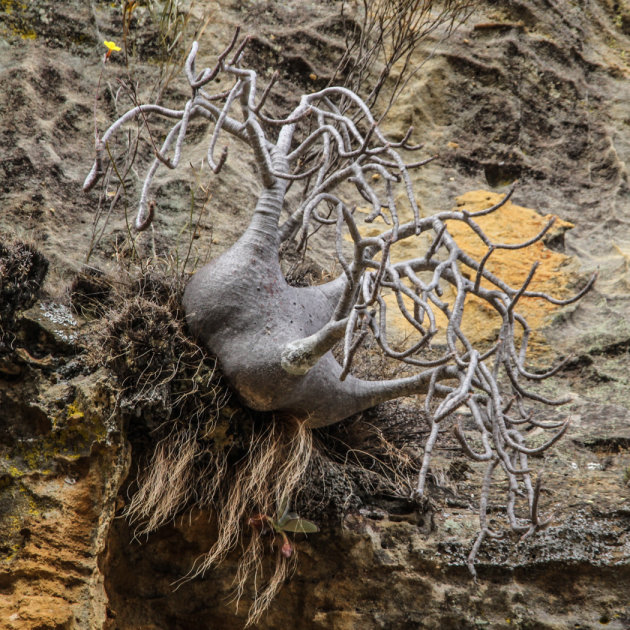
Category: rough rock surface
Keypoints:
(528, 89)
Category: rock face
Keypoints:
(527, 89)
(63, 461)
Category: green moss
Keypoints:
(7, 6)
(25, 508)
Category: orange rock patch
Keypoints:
(513, 224)
(510, 224)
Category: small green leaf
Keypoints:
(300, 526)
(289, 516)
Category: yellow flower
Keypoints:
(111, 47)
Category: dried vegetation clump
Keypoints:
(141, 339)
(364, 463)
(90, 293)
(22, 272)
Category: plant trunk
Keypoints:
(242, 309)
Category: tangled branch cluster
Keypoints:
(332, 146)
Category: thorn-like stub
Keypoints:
(296, 359)
(299, 356)
(145, 218)
(97, 170)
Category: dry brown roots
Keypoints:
(211, 454)
(190, 468)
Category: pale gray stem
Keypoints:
(299, 356)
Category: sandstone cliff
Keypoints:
(526, 89)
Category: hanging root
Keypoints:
(272, 469)
(251, 566)
(188, 470)
(167, 485)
